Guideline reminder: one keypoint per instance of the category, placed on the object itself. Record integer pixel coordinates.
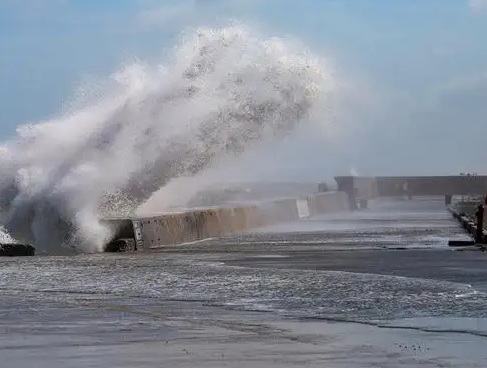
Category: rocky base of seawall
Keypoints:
(468, 223)
(16, 250)
(120, 245)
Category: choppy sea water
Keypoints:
(69, 293)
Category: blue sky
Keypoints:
(423, 61)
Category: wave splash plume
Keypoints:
(225, 89)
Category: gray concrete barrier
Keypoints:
(329, 202)
(199, 224)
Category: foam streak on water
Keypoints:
(330, 295)
(225, 90)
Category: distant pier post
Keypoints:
(407, 190)
(448, 198)
(353, 199)
(346, 184)
(479, 238)
(364, 204)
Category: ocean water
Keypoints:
(307, 271)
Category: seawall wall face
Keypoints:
(385, 186)
(433, 185)
(189, 226)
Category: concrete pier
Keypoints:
(204, 223)
(353, 193)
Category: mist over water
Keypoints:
(225, 90)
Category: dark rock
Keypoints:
(120, 245)
(16, 250)
(461, 243)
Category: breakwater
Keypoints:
(204, 223)
(470, 216)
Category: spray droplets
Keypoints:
(226, 90)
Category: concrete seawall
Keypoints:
(199, 224)
(393, 186)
